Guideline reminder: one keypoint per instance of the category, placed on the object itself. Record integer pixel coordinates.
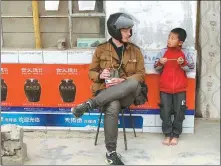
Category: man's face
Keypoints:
(125, 34)
(173, 40)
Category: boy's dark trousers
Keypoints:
(172, 104)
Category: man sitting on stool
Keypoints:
(117, 71)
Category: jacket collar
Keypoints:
(110, 48)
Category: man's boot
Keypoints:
(79, 110)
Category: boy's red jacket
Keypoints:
(173, 77)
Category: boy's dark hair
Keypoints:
(181, 33)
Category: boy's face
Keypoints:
(173, 40)
(125, 33)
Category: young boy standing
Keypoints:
(173, 62)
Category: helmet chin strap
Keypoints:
(121, 41)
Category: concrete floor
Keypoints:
(77, 148)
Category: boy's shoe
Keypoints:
(80, 109)
(113, 159)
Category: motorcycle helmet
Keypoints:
(119, 21)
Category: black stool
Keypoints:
(124, 130)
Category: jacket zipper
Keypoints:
(173, 79)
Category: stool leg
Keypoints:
(98, 128)
(132, 122)
(123, 123)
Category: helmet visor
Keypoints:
(124, 22)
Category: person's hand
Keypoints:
(105, 74)
(163, 60)
(117, 80)
(180, 60)
(114, 81)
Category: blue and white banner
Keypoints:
(62, 120)
(62, 117)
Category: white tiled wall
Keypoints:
(188, 121)
(79, 57)
(32, 57)
(154, 129)
(149, 120)
(9, 56)
(47, 57)
(55, 57)
(153, 123)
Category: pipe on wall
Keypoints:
(1, 27)
(70, 22)
(198, 113)
(36, 24)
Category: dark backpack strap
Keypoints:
(144, 90)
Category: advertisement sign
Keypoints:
(44, 85)
(62, 86)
